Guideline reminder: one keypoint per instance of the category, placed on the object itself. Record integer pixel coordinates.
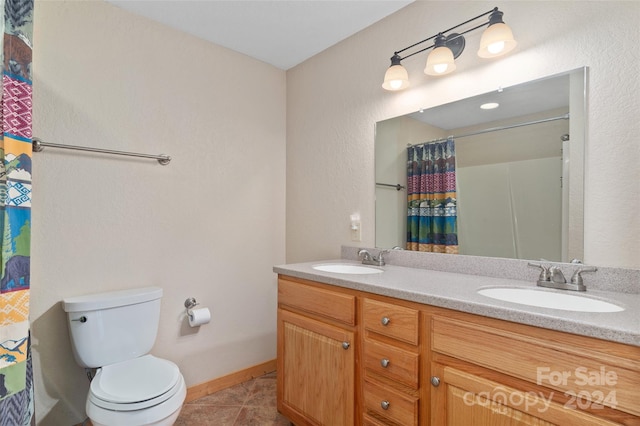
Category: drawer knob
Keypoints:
(385, 320)
(385, 405)
(384, 362)
(435, 381)
(346, 345)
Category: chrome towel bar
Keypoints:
(39, 145)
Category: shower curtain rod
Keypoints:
(39, 145)
(495, 129)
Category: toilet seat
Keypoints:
(135, 384)
(163, 414)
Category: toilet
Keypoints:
(113, 332)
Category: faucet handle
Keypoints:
(380, 258)
(364, 254)
(577, 278)
(383, 252)
(556, 275)
(544, 271)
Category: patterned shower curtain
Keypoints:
(16, 377)
(431, 191)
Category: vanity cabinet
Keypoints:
(316, 355)
(486, 371)
(347, 357)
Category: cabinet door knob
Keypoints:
(385, 320)
(385, 405)
(435, 381)
(384, 362)
(346, 345)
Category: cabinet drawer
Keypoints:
(394, 321)
(577, 370)
(391, 362)
(400, 408)
(370, 421)
(330, 304)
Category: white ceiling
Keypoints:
(282, 33)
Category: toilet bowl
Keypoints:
(142, 391)
(113, 332)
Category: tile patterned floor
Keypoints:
(249, 403)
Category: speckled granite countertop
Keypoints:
(459, 292)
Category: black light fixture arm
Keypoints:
(416, 52)
(414, 45)
(497, 39)
(397, 53)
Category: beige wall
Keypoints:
(392, 138)
(210, 225)
(335, 98)
(519, 214)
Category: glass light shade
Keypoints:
(396, 78)
(496, 40)
(440, 61)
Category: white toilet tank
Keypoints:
(110, 327)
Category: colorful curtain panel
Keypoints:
(16, 385)
(431, 190)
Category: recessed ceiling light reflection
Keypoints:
(490, 105)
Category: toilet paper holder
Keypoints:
(196, 317)
(190, 303)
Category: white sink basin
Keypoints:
(347, 268)
(549, 299)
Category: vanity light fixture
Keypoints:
(496, 40)
(440, 61)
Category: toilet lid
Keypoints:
(136, 380)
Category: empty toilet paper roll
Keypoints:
(199, 316)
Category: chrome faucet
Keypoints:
(368, 259)
(552, 277)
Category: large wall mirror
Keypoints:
(519, 169)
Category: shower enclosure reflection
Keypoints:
(518, 169)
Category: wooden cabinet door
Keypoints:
(316, 371)
(461, 398)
